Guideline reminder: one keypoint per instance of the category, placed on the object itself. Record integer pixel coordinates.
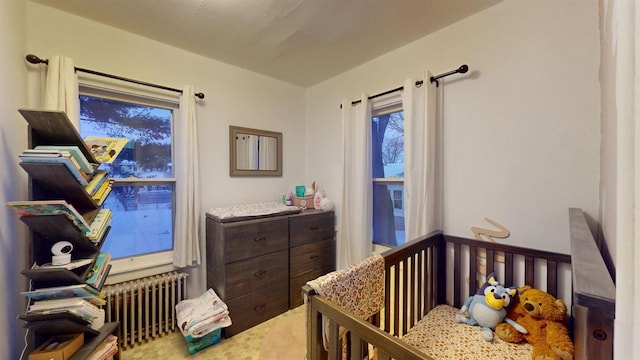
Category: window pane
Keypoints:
(142, 211)
(142, 220)
(148, 154)
(388, 145)
(388, 162)
(388, 221)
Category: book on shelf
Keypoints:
(74, 264)
(99, 269)
(97, 181)
(106, 349)
(101, 194)
(75, 152)
(105, 149)
(84, 291)
(50, 207)
(67, 303)
(99, 224)
(100, 200)
(30, 157)
(81, 309)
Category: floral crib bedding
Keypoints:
(440, 337)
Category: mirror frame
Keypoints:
(233, 157)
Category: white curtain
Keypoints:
(252, 152)
(186, 248)
(61, 88)
(419, 106)
(355, 234)
(268, 153)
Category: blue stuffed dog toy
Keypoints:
(488, 308)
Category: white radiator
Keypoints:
(145, 307)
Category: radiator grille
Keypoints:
(145, 307)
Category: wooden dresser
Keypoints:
(258, 267)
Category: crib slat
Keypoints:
(334, 348)
(314, 336)
(508, 268)
(405, 297)
(396, 304)
(552, 278)
(490, 262)
(387, 300)
(457, 264)
(356, 346)
(529, 270)
(419, 289)
(473, 269)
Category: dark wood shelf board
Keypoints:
(52, 127)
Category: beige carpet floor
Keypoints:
(282, 337)
(286, 339)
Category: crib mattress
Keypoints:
(440, 337)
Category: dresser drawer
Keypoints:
(247, 239)
(309, 228)
(310, 257)
(243, 277)
(253, 308)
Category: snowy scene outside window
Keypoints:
(142, 197)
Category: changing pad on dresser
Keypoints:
(251, 211)
(440, 337)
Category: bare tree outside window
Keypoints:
(388, 174)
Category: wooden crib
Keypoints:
(441, 269)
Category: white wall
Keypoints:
(13, 180)
(619, 192)
(233, 97)
(521, 130)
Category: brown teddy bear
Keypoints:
(545, 318)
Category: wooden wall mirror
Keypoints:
(254, 152)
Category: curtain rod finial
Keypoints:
(199, 95)
(35, 60)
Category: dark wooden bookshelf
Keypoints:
(83, 352)
(54, 181)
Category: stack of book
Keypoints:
(99, 186)
(99, 225)
(78, 302)
(70, 156)
(106, 350)
(93, 231)
(74, 306)
(50, 207)
(99, 270)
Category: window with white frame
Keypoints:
(142, 200)
(387, 158)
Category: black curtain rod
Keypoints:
(36, 60)
(462, 69)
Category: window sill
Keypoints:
(139, 267)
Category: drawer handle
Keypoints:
(314, 228)
(314, 257)
(259, 273)
(262, 238)
(260, 307)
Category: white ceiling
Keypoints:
(303, 42)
